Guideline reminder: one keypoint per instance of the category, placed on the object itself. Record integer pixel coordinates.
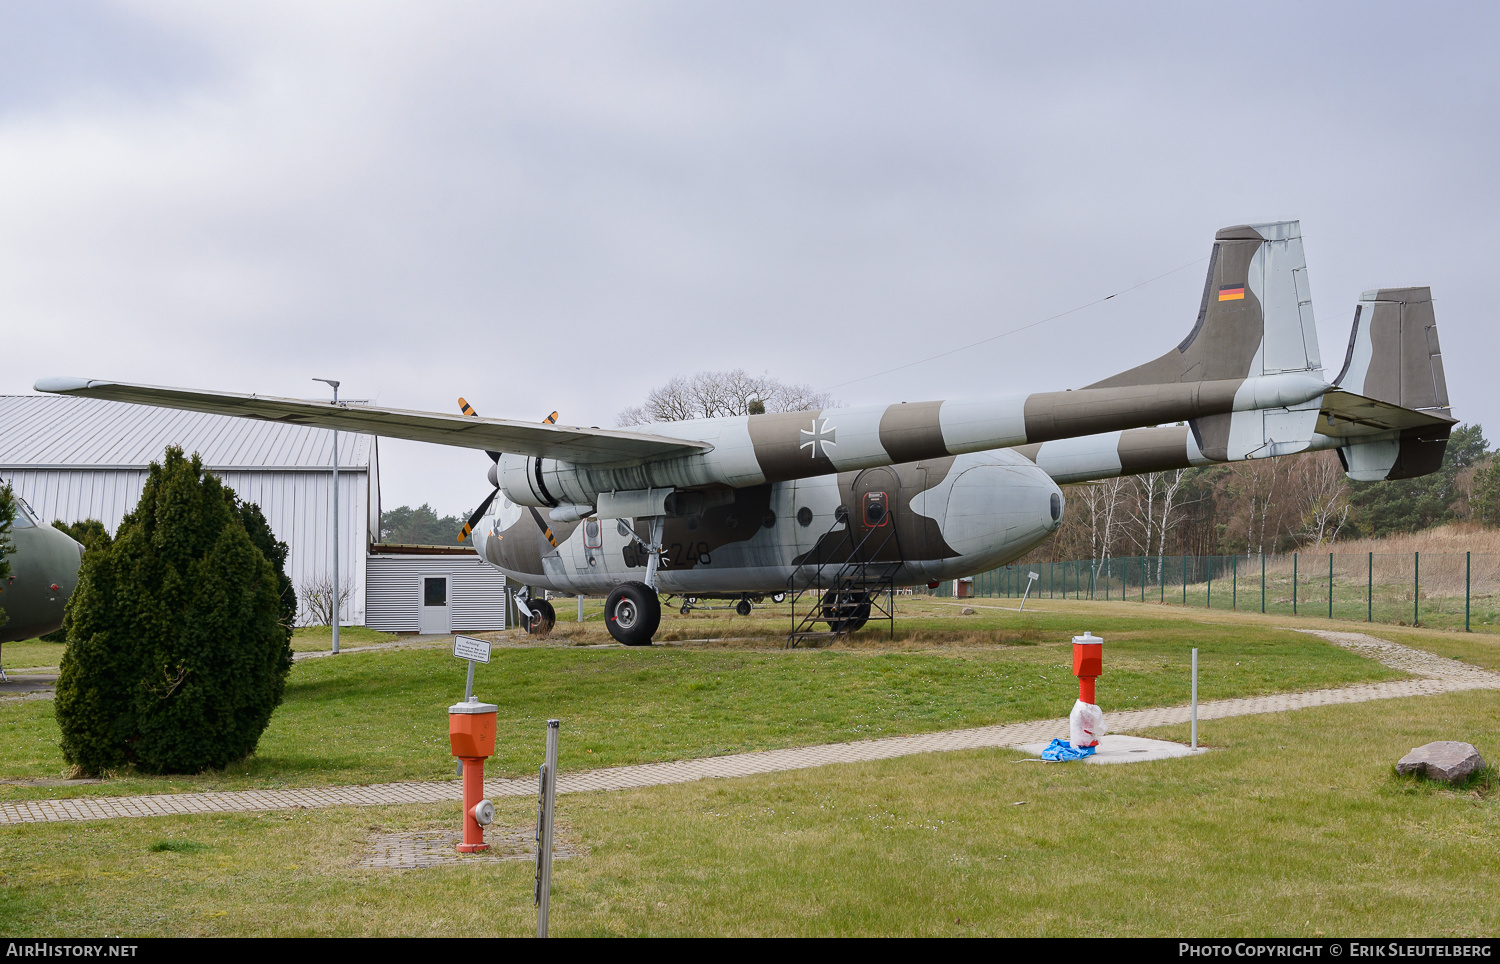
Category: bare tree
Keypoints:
(1171, 483)
(1325, 497)
(719, 394)
(315, 597)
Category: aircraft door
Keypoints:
(874, 513)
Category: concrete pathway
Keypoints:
(1439, 675)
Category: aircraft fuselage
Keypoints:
(942, 518)
(43, 571)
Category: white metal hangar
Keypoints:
(79, 458)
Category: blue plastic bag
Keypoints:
(1059, 751)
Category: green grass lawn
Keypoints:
(1295, 826)
(381, 716)
(320, 638)
(31, 654)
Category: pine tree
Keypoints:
(178, 649)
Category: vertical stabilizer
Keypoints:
(1255, 319)
(1393, 357)
(1256, 316)
(1393, 353)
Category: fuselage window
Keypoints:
(874, 509)
(1056, 507)
(804, 517)
(591, 535)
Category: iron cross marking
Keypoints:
(819, 439)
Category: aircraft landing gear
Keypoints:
(743, 608)
(845, 611)
(543, 618)
(633, 612)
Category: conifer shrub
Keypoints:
(179, 639)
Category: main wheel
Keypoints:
(844, 610)
(743, 608)
(632, 612)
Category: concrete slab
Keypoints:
(1127, 749)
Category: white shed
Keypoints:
(84, 458)
(433, 589)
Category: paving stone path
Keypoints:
(1437, 675)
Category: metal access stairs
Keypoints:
(859, 589)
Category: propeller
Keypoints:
(484, 506)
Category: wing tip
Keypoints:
(62, 384)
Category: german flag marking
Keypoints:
(1231, 292)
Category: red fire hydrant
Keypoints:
(1087, 720)
(471, 733)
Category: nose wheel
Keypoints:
(543, 618)
(633, 613)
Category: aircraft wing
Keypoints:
(588, 446)
(1347, 415)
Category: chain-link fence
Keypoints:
(1437, 589)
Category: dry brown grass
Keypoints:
(1454, 537)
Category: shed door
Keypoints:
(434, 612)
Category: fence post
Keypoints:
(1262, 583)
(1467, 560)
(1208, 601)
(1161, 577)
(1234, 581)
(1143, 578)
(1294, 584)
(1370, 589)
(1184, 579)
(1330, 585)
(1416, 588)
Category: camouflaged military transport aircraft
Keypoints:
(43, 571)
(758, 504)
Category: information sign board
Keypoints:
(467, 647)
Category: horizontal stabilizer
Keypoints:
(1346, 415)
(587, 446)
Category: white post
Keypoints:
(1031, 577)
(1195, 699)
(548, 797)
(338, 600)
(580, 609)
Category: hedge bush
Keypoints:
(179, 633)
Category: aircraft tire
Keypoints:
(633, 613)
(543, 618)
(845, 612)
(743, 608)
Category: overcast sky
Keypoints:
(559, 205)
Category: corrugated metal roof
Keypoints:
(57, 430)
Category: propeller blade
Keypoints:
(546, 529)
(467, 409)
(478, 514)
(550, 419)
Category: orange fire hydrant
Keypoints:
(1086, 722)
(1088, 663)
(471, 733)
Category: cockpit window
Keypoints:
(25, 518)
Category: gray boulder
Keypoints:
(1446, 760)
